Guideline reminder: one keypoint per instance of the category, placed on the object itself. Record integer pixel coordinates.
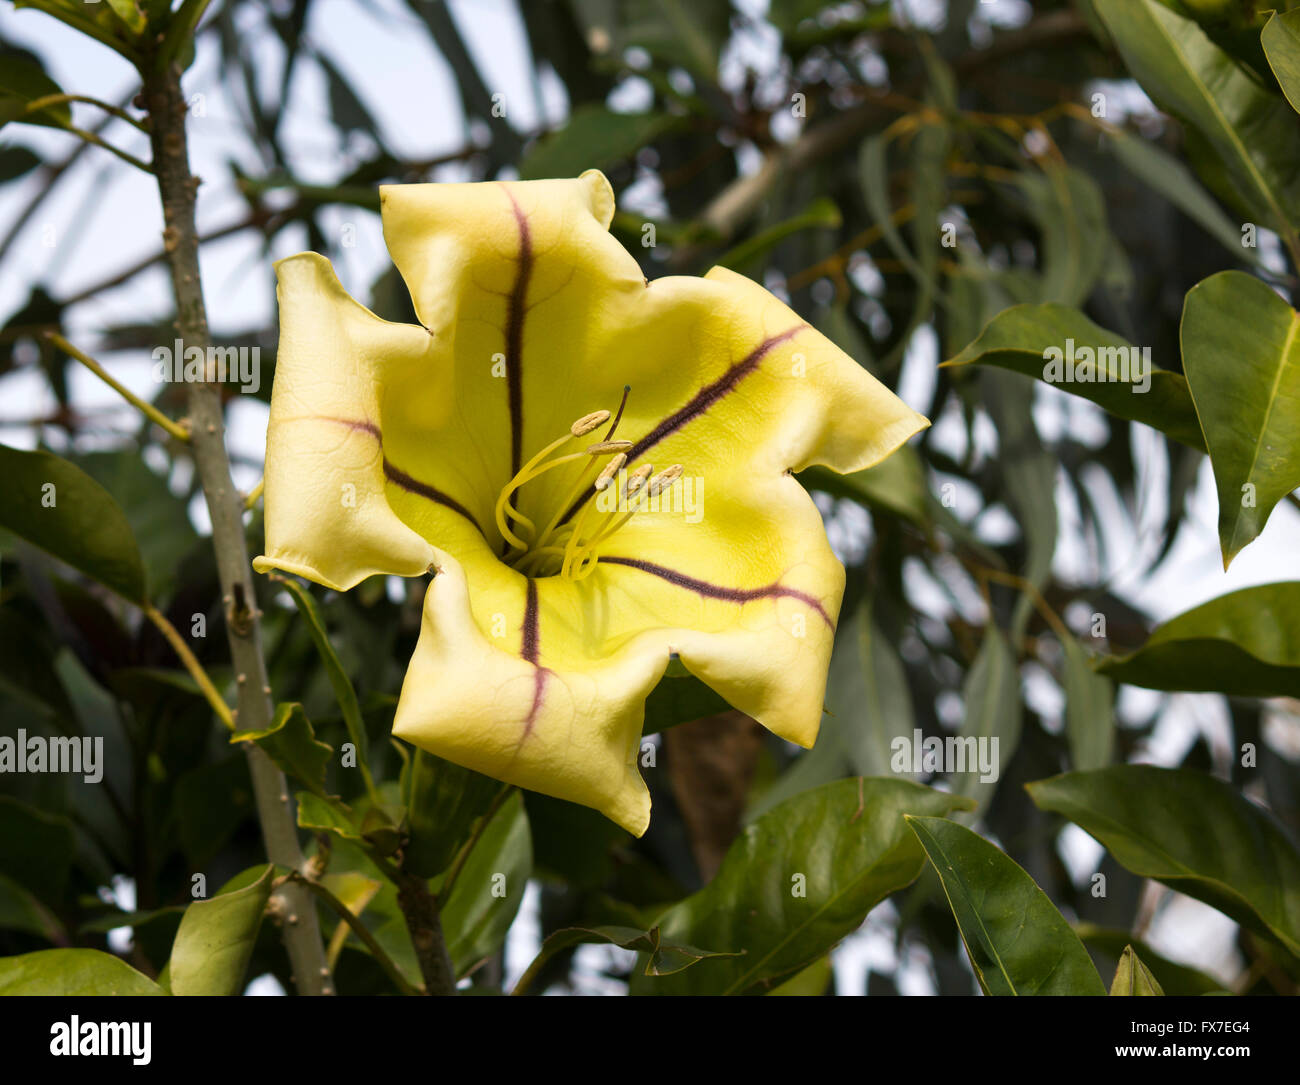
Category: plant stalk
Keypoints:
(177, 186)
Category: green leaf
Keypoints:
(1019, 337)
(1194, 833)
(72, 972)
(1089, 710)
(58, 507)
(490, 887)
(680, 697)
(822, 212)
(1245, 643)
(292, 744)
(23, 80)
(796, 881)
(215, 940)
(1241, 354)
(36, 848)
(320, 813)
(443, 802)
(339, 680)
(1071, 215)
(1175, 979)
(1251, 131)
(1132, 977)
(991, 695)
(1017, 941)
(592, 138)
(895, 485)
(16, 162)
(1167, 176)
(21, 911)
(1281, 40)
(661, 958)
(129, 11)
(91, 17)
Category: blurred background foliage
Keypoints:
(901, 173)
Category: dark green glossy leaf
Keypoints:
(1245, 643)
(1175, 979)
(58, 507)
(661, 958)
(36, 848)
(23, 80)
(1194, 833)
(1018, 338)
(490, 887)
(796, 881)
(443, 802)
(1281, 40)
(1241, 354)
(1017, 941)
(292, 744)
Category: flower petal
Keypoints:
(327, 517)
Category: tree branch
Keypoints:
(166, 106)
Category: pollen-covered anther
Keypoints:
(611, 469)
(604, 448)
(663, 480)
(637, 479)
(589, 422)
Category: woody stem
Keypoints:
(177, 187)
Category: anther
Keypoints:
(603, 448)
(611, 469)
(664, 479)
(637, 479)
(589, 422)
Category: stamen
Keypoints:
(603, 448)
(588, 422)
(664, 479)
(611, 469)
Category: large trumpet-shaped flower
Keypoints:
(598, 469)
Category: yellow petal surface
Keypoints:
(533, 315)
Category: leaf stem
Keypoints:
(37, 104)
(187, 657)
(176, 429)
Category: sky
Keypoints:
(105, 217)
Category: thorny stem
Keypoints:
(166, 108)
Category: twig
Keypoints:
(176, 429)
(187, 657)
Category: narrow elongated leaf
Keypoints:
(1018, 943)
(1071, 215)
(1167, 175)
(215, 940)
(339, 680)
(1241, 353)
(1089, 710)
(1194, 833)
(592, 138)
(993, 719)
(822, 212)
(58, 507)
(1281, 41)
(292, 744)
(1132, 977)
(1251, 131)
(661, 958)
(72, 972)
(487, 893)
(796, 881)
(1245, 643)
(1019, 339)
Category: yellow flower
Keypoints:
(597, 467)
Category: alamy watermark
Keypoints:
(83, 756)
(1084, 365)
(685, 496)
(180, 364)
(954, 753)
